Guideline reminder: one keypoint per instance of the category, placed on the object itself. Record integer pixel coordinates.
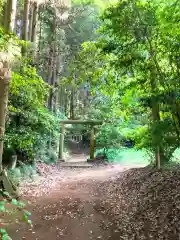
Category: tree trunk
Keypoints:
(92, 144)
(34, 22)
(65, 104)
(52, 70)
(5, 74)
(61, 98)
(30, 21)
(10, 15)
(40, 13)
(156, 120)
(61, 142)
(2, 14)
(4, 85)
(55, 105)
(24, 35)
(34, 30)
(72, 104)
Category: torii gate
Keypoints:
(62, 131)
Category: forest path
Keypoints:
(65, 205)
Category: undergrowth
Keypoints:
(132, 156)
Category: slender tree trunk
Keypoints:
(10, 15)
(72, 104)
(30, 21)
(2, 14)
(62, 99)
(159, 154)
(51, 79)
(55, 107)
(13, 15)
(5, 73)
(59, 98)
(34, 29)
(50, 65)
(16, 26)
(52, 70)
(4, 85)
(24, 35)
(65, 107)
(156, 120)
(41, 8)
(34, 22)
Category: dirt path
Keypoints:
(69, 208)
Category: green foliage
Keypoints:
(126, 156)
(10, 46)
(50, 157)
(108, 136)
(135, 59)
(29, 123)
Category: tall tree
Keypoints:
(5, 75)
(5, 70)
(24, 33)
(136, 55)
(10, 15)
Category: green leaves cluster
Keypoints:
(136, 59)
(29, 123)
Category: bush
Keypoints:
(109, 135)
(30, 125)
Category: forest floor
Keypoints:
(108, 203)
(65, 204)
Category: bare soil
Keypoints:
(102, 203)
(66, 204)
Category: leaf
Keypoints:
(2, 208)
(29, 222)
(27, 213)
(15, 202)
(3, 231)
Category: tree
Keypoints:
(5, 71)
(133, 55)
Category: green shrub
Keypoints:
(109, 135)
(30, 126)
(51, 156)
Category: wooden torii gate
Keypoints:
(62, 131)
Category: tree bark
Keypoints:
(24, 35)
(40, 13)
(72, 104)
(34, 22)
(10, 15)
(92, 144)
(5, 74)
(156, 120)
(61, 98)
(61, 142)
(52, 70)
(30, 21)
(65, 104)
(34, 30)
